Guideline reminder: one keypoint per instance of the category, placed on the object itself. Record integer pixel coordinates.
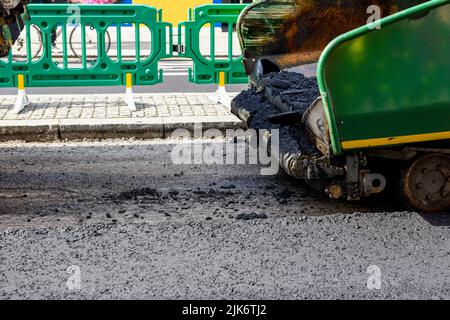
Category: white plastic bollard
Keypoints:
(129, 100)
(221, 96)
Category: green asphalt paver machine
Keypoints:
(381, 117)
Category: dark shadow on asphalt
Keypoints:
(383, 202)
(438, 220)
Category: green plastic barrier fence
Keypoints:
(103, 69)
(207, 69)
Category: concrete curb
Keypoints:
(192, 123)
(32, 130)
(78, 129)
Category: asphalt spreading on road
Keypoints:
(322, 257)
(171, 220)
(251, 216)
(147, 193)
(226, 194)
(280, 93)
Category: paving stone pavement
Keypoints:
(56, 117)
(111, 106)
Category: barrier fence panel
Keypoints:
(93, 48)
(210, 64)
(105, 45)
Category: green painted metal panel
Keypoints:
(390, 82)
(104, 70)
(207, 68)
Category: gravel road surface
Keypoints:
(117, 219)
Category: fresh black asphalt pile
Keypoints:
(280, 93)
(302, 91)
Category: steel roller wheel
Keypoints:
(426, 183)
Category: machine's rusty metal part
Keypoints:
(313, 170)
(315, 120)
(335, 191)
(295, 32)
(372, 183)
(352, 177)
(426, 183)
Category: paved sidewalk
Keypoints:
(67, 117)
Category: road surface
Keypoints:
(117, 219)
